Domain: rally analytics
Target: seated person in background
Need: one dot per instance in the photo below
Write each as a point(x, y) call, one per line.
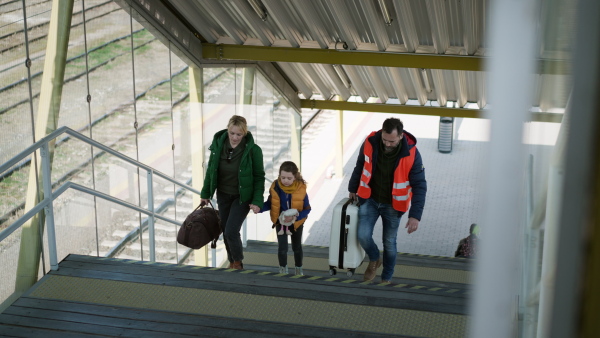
point(467, 247)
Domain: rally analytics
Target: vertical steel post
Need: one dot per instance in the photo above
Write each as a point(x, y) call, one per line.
point(151, 242)
point(246, 98)
point(339, 143)
point(245, 233)
point(49, 209)
point(296, 136)
point(196, 88)
point(494, 301)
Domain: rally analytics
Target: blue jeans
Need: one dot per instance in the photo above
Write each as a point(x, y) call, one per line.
point(368, 213)
point(232, 215)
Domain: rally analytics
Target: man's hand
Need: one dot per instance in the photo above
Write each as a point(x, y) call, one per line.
point(352, 196)
point(412, 225)
point(204, 201)
point(254, 208)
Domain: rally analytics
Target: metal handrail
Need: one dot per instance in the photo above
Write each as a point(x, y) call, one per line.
point(50, 196)
point(71, 185)
point(66, 130)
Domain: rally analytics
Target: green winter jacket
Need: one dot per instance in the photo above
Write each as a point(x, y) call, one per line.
point(252, 170)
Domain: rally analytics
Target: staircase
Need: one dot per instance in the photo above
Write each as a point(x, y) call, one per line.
point(103, 296)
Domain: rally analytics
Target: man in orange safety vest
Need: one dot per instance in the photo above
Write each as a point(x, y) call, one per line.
point(388, 180)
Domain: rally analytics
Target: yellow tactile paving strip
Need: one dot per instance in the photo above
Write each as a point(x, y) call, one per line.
point(399, 253)
point(339, 278)
point(253, 307)
point(401, 271)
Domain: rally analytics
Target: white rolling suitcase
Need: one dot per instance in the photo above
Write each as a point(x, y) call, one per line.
point(344, 250)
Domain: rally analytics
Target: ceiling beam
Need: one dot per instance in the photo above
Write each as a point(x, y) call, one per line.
point(414, 110)
point(391, 108)
point(362, 58)
point(330, 56)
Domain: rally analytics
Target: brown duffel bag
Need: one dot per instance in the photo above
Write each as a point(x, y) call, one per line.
point(200, 227)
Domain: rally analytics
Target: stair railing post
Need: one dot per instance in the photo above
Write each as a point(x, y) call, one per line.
point(49, 209)
point(151, 242)
point(245, 233)
point(214, 257)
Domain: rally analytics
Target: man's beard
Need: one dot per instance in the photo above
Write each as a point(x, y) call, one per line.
point(388, 150)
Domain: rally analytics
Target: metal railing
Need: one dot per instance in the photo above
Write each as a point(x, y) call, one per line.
point(49, 196)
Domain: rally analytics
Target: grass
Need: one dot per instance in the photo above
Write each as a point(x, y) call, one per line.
point(17, 177)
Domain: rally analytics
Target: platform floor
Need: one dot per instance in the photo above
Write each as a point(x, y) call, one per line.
point(455, 195)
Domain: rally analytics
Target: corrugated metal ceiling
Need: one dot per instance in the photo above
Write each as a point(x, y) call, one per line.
point(417, 27)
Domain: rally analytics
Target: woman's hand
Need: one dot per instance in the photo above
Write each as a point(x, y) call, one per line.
point(255, 208)
point(204, 201)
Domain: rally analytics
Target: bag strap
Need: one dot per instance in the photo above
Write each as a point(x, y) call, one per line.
point(204, 205)
point(213, 244)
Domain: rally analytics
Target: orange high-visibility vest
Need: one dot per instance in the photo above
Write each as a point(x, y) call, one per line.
point(401, 189)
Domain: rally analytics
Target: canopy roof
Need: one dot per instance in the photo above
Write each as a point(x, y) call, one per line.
point(405, 56)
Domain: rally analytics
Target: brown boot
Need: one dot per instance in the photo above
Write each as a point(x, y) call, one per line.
point(238, 265)
point(372, 270)
point(230, 266)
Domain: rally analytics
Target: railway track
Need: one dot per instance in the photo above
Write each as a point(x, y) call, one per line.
point(18, 35)
point(12, 6)
point(16, 97)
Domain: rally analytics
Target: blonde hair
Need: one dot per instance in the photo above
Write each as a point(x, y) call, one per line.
point(291, 167)
point(240, 122)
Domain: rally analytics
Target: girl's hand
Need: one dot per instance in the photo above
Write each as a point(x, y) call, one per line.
point(254, 208)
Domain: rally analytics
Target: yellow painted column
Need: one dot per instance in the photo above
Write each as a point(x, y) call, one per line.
point(46, 122)
point(247, 89)
point(196, 84)
point(339, 144)
point(591, 301)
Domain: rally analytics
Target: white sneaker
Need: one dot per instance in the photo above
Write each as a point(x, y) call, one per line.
point(299, 271)
point(283, 270)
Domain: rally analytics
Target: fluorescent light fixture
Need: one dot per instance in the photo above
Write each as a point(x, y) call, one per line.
point(386, 15)
point(257, 6)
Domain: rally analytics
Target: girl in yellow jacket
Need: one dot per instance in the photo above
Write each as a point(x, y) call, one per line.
point(288, 203)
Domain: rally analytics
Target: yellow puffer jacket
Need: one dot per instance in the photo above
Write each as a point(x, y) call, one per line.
point(299, 202)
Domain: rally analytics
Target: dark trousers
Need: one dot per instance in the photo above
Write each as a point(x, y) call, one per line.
point(232, 215)
point(296, 246)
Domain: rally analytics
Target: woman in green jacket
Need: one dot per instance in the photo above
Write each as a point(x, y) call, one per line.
point(236, 172)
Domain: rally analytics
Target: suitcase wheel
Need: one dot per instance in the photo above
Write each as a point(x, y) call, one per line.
point(350, 272)
point(332, 271)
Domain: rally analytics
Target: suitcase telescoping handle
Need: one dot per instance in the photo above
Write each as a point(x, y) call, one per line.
point(343, 245)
